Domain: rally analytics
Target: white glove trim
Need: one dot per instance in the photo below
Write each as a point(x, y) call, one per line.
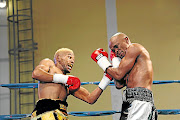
point(115, 62)
point(103, 62)
point(60, 78)
point(104, 82)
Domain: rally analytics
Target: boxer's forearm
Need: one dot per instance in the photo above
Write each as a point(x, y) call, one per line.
point(86, 96)
point(93, 97)
point(115, 73)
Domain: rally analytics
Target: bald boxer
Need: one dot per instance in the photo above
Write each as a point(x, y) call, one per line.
point(55, 86)
point(135, 71)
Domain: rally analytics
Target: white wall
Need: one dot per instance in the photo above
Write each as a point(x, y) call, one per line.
point(4, 64)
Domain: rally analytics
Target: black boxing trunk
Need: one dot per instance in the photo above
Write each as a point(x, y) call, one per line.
point(45, 105)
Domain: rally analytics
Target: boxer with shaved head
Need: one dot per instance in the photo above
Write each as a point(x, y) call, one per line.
point(135, 72)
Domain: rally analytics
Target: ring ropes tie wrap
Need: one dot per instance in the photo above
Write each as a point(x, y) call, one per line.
point(35, 85)
point(90, 113)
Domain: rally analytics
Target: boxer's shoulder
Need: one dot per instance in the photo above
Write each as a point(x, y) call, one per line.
point(47, 61)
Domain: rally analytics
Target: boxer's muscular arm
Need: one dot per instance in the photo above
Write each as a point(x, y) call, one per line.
point(121, 83)
point(41, 72)
point(126, 64)
point(86, 96)
point(92, 97)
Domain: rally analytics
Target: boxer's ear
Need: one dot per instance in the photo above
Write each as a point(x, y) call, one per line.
point(127, 39)
point(58, 58)
point(55, 60)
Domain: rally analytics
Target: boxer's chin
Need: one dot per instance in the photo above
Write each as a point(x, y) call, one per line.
point(67, 71)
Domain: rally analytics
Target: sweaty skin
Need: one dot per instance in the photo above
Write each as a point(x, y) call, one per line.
point(63, 64)
point(135, 69)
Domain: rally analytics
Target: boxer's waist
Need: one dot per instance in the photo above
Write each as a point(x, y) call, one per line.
point(45, 105)
point(138, 93)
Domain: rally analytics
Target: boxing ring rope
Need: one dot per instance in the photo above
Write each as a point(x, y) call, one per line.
point(90, 113)
point(85, 113)
point(35, 85)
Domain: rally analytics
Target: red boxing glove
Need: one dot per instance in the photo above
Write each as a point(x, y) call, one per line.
point(112, 55)
point(74, 83)
point(99, 53)
point(100, 57)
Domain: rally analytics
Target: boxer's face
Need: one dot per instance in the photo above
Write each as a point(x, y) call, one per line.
point(118, 44)
point(66, 60)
